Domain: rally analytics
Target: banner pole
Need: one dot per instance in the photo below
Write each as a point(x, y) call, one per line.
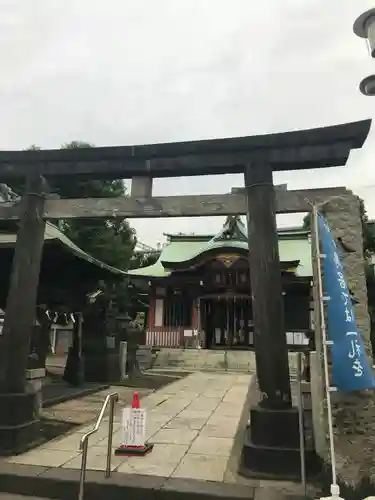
point(301, 423)
point(335, 490)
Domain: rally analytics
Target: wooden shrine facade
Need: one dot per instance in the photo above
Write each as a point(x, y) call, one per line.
point(204, 300)
point(211, 318)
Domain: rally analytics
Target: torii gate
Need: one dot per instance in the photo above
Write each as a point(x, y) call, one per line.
point(257, 157)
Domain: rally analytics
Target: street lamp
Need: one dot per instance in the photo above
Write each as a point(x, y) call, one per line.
point(364, 27)
point(367, 85)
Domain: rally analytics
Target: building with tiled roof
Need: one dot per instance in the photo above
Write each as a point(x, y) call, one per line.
point(200, 294)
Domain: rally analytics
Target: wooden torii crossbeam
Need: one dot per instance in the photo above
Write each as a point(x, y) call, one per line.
point(133, 207)
point(303, 149)
point(256, 157)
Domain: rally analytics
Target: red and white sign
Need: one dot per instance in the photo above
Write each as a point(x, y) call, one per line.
point(133, 427)
point(134, 431)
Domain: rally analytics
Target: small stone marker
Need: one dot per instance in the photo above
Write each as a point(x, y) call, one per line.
point(134, 431)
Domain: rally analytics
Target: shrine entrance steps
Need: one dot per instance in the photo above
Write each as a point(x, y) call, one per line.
point(210, 360)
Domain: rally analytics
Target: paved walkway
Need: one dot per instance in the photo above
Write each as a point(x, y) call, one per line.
point(192, 423)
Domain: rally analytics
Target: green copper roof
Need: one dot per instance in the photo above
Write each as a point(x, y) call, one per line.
point(293, 246)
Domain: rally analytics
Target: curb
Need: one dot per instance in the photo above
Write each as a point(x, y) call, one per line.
point(69, 397)
point(62, 484)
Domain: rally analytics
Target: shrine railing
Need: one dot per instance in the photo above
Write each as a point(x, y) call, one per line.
point(297, 340)
point(165, 337)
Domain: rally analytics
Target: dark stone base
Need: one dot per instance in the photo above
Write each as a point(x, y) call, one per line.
point(19, 428)
point(132, 451)
point(277, 463)
point(274, 428)
point(103, 367)
point(272, 448)
point(54, 393)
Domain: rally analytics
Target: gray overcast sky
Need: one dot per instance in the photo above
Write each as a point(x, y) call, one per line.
point(121, 72)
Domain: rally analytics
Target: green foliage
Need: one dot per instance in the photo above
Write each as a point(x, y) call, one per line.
point(306, 224)
point(143, 260)
point(111, 241)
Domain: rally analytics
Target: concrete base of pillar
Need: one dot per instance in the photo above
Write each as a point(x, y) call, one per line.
point(271, 448)
point(274, 427)
point(19, 425)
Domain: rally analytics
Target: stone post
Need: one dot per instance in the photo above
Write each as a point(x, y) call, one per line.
point(342, 214)
point(34, 384)
point(353, 412)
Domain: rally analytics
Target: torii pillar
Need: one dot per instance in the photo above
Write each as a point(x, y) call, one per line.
point(271, 351)
point(272, 443)
point(274, 422)
point(19, 425)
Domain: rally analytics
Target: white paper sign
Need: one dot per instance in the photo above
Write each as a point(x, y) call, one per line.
point(134, 426)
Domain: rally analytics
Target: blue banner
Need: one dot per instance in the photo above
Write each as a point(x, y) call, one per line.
point(351, 370)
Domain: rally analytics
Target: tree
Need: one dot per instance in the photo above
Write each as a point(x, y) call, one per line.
point(143, 260)
point(110, 240)
point(306, 224)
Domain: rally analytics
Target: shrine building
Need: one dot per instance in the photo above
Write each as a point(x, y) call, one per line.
point(200, 294)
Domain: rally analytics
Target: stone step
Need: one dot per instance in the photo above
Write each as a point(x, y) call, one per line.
point(21, 479)
point(8, 496)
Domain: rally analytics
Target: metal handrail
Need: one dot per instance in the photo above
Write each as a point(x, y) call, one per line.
point(83, 445)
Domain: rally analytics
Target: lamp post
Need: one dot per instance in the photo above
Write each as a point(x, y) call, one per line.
point(364, 27)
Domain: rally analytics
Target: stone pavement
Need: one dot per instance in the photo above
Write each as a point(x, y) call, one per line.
point(192, 423)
